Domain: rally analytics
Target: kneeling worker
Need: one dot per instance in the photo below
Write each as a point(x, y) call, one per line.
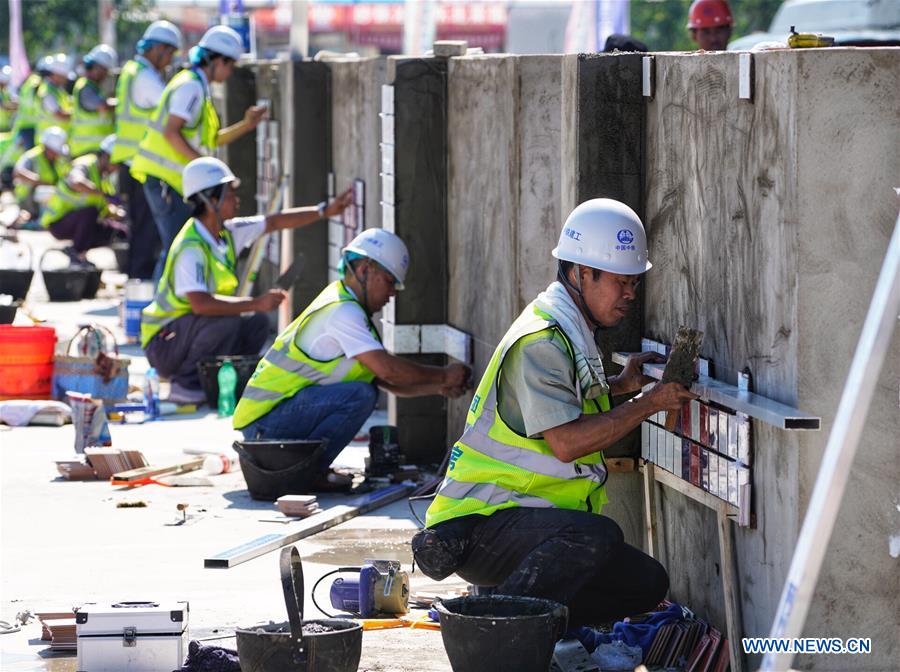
point(43, 165)
point(318, 380)
point(520, 506)
point(195, 313)
point(79, 209)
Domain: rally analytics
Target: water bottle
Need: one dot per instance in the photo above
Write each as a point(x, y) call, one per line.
point(151, 393)
point(227, 378)
point(220, 463)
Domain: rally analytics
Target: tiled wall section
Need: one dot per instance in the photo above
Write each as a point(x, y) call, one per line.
point(710, 447)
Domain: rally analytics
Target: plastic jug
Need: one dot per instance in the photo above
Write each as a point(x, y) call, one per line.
point(227, 379)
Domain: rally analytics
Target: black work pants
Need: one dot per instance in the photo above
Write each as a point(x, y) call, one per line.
point(576, 558)
point(178, 348)
point(143, 238)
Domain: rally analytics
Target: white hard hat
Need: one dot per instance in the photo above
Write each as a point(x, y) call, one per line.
point(604, 234)
point(165, 32)
point(385, 248)
point(5, 74)
point(203, 173)
point(223, 40)
point(59, 65)
point(45, 63)
point(103, 55)
point(54, 139)
point(107, 144)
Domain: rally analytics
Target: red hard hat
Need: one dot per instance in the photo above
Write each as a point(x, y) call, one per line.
point(709, 14)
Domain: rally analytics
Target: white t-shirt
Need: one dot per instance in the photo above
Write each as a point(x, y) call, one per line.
point(186, 101)
point(341, 331)
point(147, 88)
point(190, 273)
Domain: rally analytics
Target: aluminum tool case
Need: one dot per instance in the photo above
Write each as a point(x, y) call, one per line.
point(132, 636)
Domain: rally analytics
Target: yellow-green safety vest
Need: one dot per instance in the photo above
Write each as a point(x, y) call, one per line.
point(65, 199)
point(156, 157)
point(493, 467)
point(6, 116)
point(87, 128)
point(286, 369)
point(221, 275)
point(46, 119)
point(49, 171)
point(131, 119)
point(27, 114)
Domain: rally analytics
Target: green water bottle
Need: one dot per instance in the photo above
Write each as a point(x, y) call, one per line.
point(227, 379)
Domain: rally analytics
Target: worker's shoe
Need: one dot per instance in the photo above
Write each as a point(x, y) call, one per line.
point(185, 395)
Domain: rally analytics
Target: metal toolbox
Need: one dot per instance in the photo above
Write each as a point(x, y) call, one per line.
point(132, 636)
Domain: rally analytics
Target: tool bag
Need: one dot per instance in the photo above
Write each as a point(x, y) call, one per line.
point(95, 368)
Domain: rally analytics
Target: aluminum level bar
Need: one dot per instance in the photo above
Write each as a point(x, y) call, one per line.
point(754, 405)
point(330, 517)
point(828, 493)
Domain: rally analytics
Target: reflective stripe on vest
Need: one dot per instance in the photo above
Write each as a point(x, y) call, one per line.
point(492, 467)
point(48, 171)
point(87, 128)
point(132, 120)
point(221, 277)
point(48, 119)
point(26, 115)
point(155, 155)
point(286, 369)
point(65, 199)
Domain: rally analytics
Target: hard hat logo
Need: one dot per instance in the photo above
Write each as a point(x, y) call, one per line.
point(572, 233)
point(625, 237)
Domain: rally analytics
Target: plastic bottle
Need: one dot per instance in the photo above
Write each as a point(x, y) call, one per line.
point(219, 463)
point(227, 379)
point(151, 393)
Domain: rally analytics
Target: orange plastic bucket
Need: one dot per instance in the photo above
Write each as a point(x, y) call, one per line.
point(26, 362)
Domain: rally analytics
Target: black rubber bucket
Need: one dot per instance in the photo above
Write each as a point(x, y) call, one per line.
point(64, 284)
point(321, 645)
point(8, 313)
point(208, 368)
point(501, 633)
point(275, 468)
point(15, 283)
point(92, 284)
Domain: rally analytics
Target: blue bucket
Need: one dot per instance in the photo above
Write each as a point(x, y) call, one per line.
point(133, 319)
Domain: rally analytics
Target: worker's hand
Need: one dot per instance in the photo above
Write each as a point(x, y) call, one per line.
point(457, 376)
point(632, 377)
point(270, 300)
point(669, 396)
point(453, 392)
point(254, 115)
point(339, 204)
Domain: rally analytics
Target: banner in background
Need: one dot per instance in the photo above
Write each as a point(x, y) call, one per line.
point(18, 59)
point(592, 21)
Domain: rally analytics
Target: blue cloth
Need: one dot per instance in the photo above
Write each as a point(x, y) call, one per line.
point(170, 213)
point(333, 412)
point(632, 634)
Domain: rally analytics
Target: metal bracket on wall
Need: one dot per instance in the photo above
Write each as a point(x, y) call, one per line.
point(746, 77)
point(411, 339)
point(743, 401)
point(648, 65)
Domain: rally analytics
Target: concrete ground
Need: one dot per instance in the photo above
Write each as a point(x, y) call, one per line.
point(66, 543)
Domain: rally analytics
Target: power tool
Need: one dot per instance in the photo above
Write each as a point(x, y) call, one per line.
point(381, 588)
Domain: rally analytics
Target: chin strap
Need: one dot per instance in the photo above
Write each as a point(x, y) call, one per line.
point(362, 284)
point(580, 294)
point(214, 207)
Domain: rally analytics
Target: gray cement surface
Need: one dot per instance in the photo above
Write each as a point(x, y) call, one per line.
point(65, 543)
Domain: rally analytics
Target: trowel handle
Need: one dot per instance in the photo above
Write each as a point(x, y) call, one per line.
point(671, 420)
point(292, 585)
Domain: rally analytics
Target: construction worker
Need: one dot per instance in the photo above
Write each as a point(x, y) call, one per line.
point(185, 126)
point(53, 102)
point(195, 313)
point(710, 23)
point(319, 380)
point(138, 92)
point(520, 507)
point(79, 208)
point(92, 112)
point(42, 165)
point(24, 122)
